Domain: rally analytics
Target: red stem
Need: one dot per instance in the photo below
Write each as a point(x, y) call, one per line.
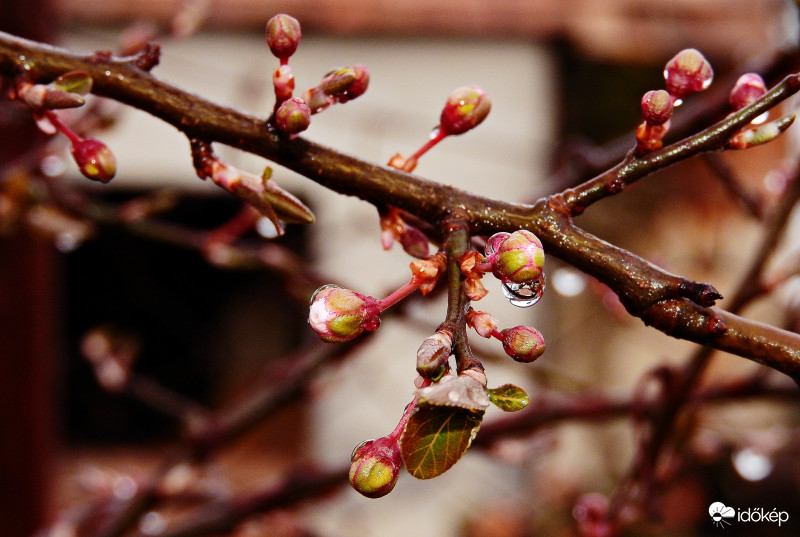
point(435, 139)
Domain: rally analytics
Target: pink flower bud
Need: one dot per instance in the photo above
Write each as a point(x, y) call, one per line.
point(687, 72)
point(748, 89)
point(523, 343)
point(293, 116)
point(375, 466)
point(283, 35)
point(95, 159)
point(465, 109)
point(338, 314)
point(657, 107)
point(517, 257)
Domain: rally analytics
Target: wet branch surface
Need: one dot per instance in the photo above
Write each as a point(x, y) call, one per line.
point(673, 304)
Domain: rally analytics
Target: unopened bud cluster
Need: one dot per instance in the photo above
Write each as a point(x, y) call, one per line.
point(94, 159)
point(686, 73)
point(748, 89)
point(293, 115)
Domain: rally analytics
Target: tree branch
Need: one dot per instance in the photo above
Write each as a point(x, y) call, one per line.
point(670, 303)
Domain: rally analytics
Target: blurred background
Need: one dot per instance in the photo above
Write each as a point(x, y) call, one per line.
point(565, 79)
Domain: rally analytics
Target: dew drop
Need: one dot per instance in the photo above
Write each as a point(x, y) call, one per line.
point(524, 295)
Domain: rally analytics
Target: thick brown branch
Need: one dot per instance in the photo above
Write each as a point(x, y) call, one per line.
point(646, 290)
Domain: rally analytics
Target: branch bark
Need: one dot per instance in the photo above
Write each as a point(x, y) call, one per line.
point(674, 305)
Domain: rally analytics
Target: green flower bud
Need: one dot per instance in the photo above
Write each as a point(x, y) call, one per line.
point(517, 257)
point(293, 116)
point(376, 466)
point(523, 343)
point(338, 314)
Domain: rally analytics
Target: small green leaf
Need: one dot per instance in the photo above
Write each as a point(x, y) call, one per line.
point(79, 82)
point(509, 397)
point(436, 437)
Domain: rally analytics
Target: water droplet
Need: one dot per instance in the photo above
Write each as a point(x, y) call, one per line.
point(494, 242)
point(524, 295)
point(434, 133)
point(320, 289)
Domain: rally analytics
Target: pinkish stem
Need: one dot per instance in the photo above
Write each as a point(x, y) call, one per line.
point(400, 294)
point(438, 137)
point(52, 117)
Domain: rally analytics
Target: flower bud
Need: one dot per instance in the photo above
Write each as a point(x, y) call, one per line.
point(338, 314)
point(376, 466)
point(657, 107)
point(748, 89)
point(517, 257)
point(687, 72)
point(283, 35)
point(293, 116)
point(95, 159)
point(523, 343)
point(465, 109)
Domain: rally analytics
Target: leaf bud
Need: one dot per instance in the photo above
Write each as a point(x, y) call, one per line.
point(748, 89)
point(358, 86)
point(465, 109)
point(338, 314)
point(283, 35)
point(517, 257)
point(657, 107)
point(523, 343)
point(95, 160)
point(375, 466)
point(433, 354)
point(687, 72)
point(293, 116)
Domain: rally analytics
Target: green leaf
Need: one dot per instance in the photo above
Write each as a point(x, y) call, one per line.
point(74, 82)
point(436, 437)
point(509, 397)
